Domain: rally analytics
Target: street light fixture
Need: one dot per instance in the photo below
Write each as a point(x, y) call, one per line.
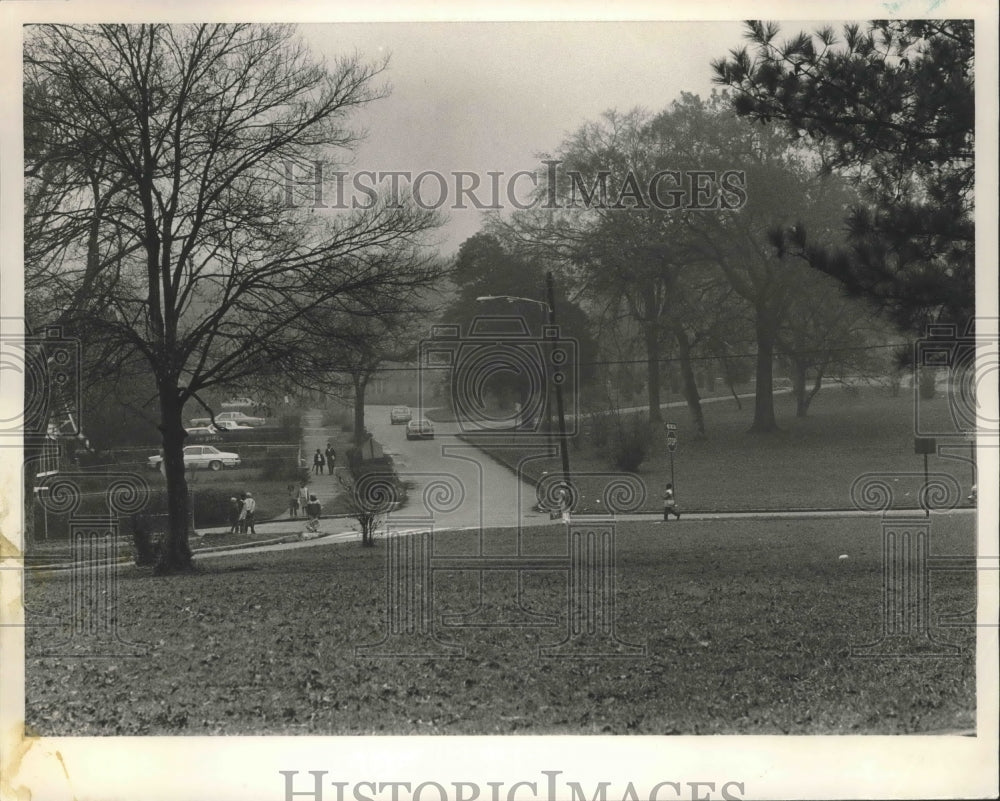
point(550, 305)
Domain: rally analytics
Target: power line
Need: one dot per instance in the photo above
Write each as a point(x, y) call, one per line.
point(669, 360)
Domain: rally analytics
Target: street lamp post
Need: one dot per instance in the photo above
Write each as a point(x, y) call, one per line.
point(564, 450)
point(550, 305)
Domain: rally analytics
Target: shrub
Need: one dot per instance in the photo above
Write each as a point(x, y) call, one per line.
point(282, 466)
point(338, 418)
point(630, 443)
point(927, 383)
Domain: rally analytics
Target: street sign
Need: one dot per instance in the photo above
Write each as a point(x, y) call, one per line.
point(671, 436)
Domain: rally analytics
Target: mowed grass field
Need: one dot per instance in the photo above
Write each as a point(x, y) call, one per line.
point(747, 626)
point(810, 463)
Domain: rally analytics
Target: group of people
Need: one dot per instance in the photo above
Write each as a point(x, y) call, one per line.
point(242, 513)
point(327, 459)
point(563, 504)
point(299, 498)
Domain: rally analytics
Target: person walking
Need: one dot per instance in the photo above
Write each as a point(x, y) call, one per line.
point(331, 458)
point(250, 506)
point(293, 501)
point(318, 462)
point(313, 509)
point(243, 513)
point(235, 507)
point(669, 503)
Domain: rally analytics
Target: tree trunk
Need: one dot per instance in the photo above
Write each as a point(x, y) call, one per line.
point(817, 386)
point(176, 554)
point(763, 412)
point(32, 459)
point(688, 383)
point(927, 382)
point(360, 385)
point(652, 340)
point(799, 388)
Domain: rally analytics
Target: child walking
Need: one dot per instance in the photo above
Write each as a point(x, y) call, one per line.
point(313, 509)
point(669, 504)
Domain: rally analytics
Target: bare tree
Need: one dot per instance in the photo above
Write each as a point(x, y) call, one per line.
point(206, 266)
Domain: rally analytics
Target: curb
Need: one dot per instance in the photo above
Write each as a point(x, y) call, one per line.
point(636, 516)
point(129, 560)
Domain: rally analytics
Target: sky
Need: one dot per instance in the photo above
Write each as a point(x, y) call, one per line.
point(492, 96)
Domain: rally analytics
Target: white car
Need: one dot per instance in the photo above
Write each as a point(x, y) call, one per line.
point(236, 417)
point(232, 425)
point(237, 403)
point(200, 456)
point(400, 414)
point(204, 434)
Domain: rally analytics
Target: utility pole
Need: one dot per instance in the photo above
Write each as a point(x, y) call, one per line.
point(563, 445)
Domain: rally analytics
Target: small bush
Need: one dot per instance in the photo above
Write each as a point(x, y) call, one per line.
point(338, 418)
point(630, 443)
point(599, 424)
point(282, 466)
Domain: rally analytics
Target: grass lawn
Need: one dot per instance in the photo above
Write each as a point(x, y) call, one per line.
point(811, 462)
point(747, 625)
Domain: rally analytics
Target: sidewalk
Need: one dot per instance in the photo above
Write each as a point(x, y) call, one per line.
point(325, 487)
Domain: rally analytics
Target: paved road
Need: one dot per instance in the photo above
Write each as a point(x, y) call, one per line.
point(454, 484)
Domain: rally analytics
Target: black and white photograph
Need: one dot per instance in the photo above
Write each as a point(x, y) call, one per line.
point(502, 403)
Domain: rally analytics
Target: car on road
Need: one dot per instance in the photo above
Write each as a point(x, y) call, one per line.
point(238, 403)
point(237, 417)
point(420, 429)
point(204, 434)
point(400, 414)
point(200, 457)
point(232, 425)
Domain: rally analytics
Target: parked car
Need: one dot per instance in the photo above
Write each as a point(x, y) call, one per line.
point(400, 414)
point(232, 425)
point(222, 417)
point(238, 403)
point(204, 434)
point(200, 456)
point(420, 429)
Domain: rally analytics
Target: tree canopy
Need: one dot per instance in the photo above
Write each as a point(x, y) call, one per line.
point(157, 217)
point(892, 104)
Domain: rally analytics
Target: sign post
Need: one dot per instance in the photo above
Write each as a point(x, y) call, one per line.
point(671, 447)
point(925, 446)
